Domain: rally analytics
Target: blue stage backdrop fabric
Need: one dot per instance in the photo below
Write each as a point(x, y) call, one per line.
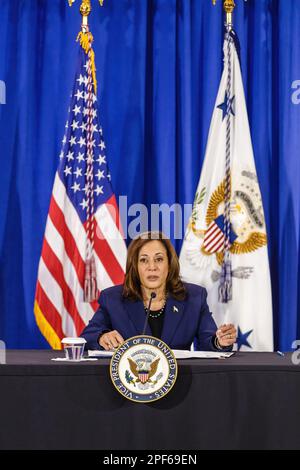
point(158, 67)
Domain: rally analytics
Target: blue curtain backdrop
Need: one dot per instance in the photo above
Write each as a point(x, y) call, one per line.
point(158, 65)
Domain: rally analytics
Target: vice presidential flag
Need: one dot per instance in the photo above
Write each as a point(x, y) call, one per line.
point(83, 250)
point(225, 245)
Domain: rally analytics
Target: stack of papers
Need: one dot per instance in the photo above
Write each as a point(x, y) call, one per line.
point(98, 353)
point(178, 353)
point(184, 354)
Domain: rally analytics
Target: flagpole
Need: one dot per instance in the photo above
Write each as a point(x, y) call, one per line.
point(228, 6)
point(85, 37)
point(85, 10)
point(225, 287)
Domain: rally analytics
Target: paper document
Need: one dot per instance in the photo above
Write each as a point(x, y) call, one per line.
point(178, 353)
point(98, 353)
point(68, 360)
point(185, 354)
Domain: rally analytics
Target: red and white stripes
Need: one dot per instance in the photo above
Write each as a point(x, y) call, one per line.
point(60, 286)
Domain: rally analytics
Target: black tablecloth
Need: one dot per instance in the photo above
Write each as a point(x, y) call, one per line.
point(248, 401)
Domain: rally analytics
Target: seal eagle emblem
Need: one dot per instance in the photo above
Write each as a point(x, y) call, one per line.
point(143, 369)
point(248, 231)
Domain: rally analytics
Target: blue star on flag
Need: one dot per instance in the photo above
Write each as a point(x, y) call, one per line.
point(225, 104)
point(242, 339)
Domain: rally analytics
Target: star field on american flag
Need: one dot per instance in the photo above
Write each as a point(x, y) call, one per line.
point(73, 165)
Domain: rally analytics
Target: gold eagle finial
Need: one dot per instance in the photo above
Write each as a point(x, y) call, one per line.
point(85, 7)
point(85, 1)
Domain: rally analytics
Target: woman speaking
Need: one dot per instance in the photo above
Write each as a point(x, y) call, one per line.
point(154, 301)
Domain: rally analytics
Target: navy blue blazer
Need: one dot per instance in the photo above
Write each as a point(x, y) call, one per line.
point(184, 321)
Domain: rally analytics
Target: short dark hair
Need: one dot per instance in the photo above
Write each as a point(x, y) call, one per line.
point(132, 283)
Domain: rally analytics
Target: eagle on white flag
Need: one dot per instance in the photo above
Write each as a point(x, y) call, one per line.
point(210, 246)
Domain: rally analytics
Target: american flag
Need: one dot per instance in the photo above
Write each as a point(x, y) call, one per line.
point(215, 236)
point(60, 309)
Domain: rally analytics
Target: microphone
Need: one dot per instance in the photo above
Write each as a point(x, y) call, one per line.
point(152, 296)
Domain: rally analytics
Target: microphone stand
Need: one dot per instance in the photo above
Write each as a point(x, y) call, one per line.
point(152, 296)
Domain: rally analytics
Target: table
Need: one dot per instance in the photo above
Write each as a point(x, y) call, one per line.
point(248, 401)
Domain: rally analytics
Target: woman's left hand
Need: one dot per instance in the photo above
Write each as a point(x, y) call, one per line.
point(226, 335)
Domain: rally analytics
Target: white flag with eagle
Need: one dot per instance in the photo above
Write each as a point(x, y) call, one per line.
point(217, 238)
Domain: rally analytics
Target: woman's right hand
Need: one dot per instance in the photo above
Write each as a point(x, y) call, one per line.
point(111, 340)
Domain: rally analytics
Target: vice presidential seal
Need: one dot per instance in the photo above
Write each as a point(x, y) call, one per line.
point(143, 369)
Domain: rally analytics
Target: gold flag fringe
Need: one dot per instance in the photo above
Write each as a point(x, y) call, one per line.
point(46, 329)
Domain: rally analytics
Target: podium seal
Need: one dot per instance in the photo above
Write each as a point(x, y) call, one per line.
point(143, 369)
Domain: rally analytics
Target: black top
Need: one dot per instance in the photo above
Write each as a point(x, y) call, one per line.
point(156, 323)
